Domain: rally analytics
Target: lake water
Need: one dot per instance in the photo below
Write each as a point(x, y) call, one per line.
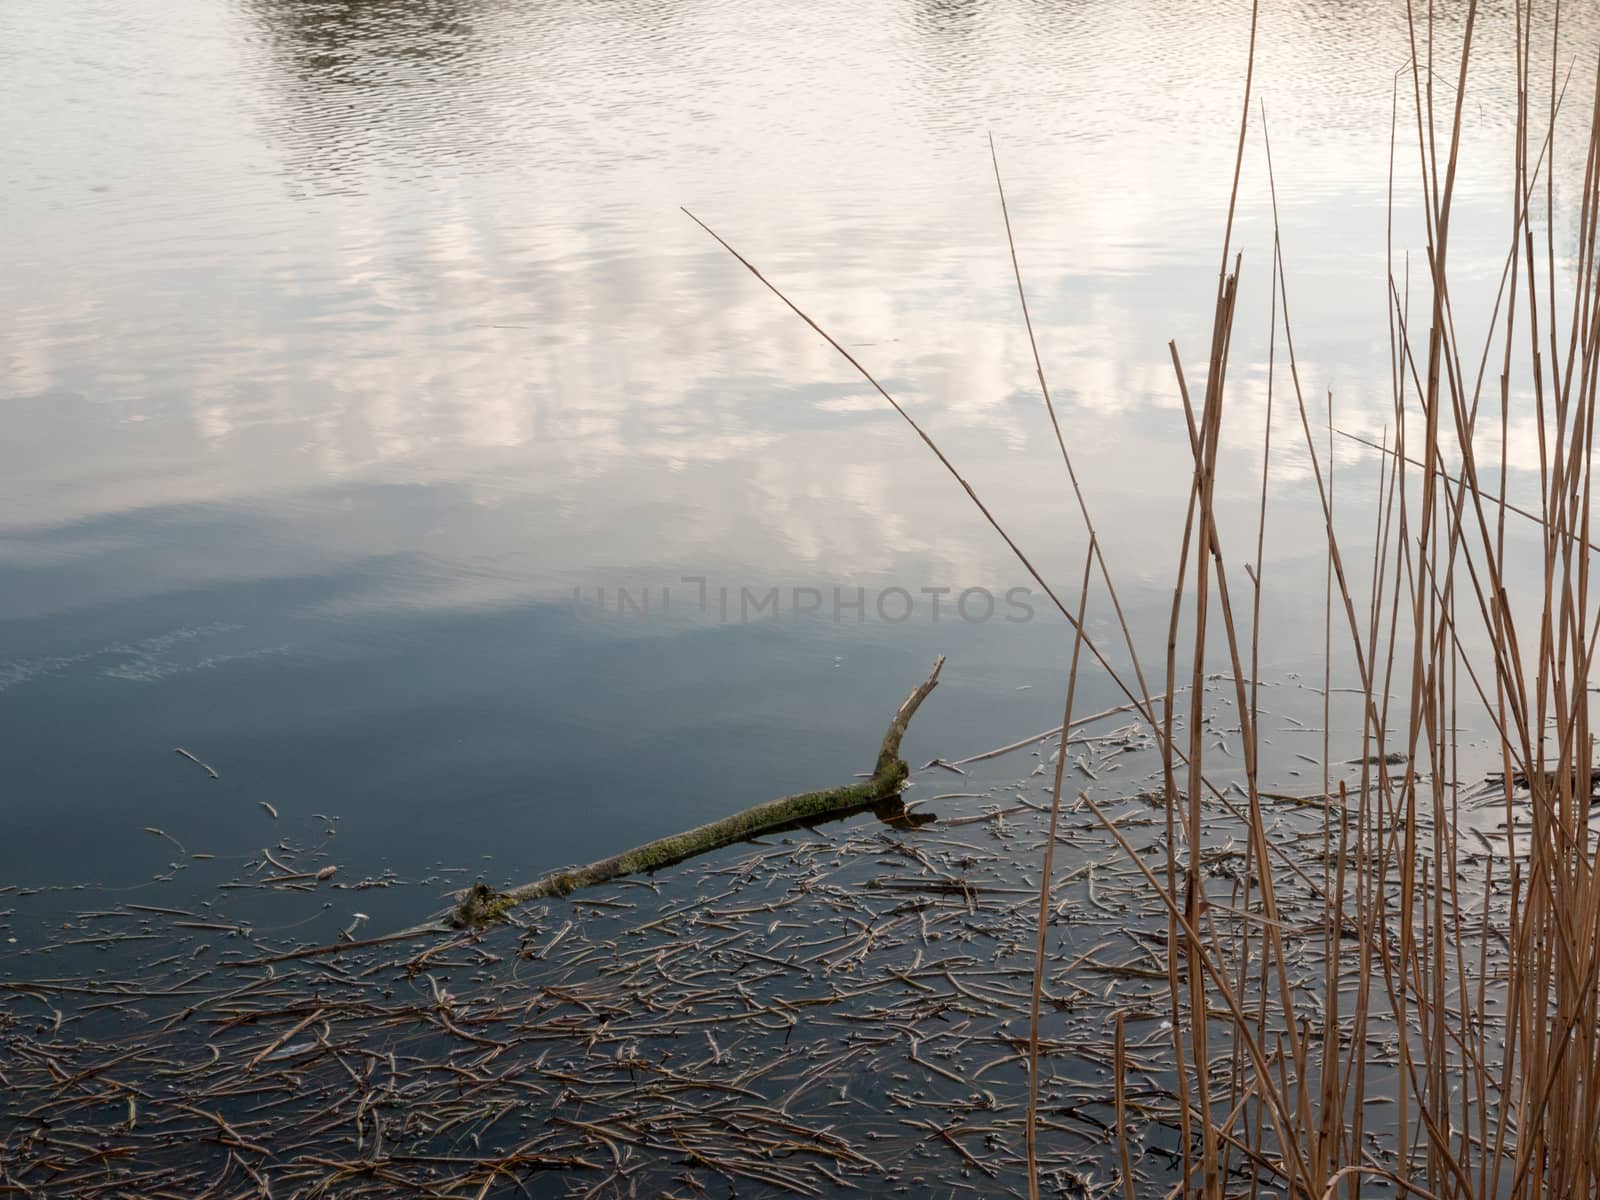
point(357, 358)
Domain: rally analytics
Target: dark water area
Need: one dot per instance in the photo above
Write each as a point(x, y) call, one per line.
point(358, 359)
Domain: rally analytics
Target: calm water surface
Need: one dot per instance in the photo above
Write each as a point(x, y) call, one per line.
point(351, 348)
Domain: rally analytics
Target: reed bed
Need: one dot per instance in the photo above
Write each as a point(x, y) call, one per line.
point(1488, 983)
point(1493, 1010)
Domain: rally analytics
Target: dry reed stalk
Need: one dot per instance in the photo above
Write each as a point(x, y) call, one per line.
point(1046, 880)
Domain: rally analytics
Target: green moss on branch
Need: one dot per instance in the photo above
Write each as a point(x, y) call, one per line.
point(482, 905)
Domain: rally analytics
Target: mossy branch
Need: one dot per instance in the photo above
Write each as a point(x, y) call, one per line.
point(482, 904)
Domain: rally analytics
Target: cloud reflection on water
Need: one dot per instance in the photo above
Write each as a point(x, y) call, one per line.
point(437, 246)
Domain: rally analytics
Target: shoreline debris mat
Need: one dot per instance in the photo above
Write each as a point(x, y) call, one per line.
point(838, 1007)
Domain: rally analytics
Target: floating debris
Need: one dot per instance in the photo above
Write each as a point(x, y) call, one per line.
point(839, 1006)
point(209, 769)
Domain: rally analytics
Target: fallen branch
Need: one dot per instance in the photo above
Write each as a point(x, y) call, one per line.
point(482, 904)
